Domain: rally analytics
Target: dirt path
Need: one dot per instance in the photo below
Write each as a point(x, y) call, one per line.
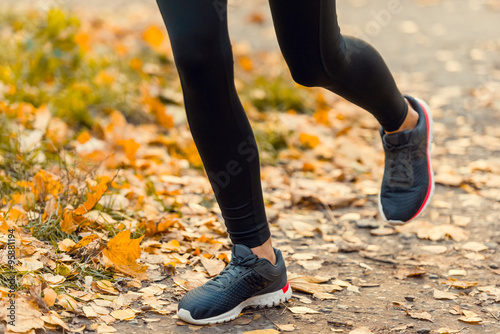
point(442, 51)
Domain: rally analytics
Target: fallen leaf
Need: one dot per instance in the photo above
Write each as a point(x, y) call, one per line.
point(27, 316)
point(30, 264)
point(309, 141)
point(457, 272)
point(84, 242)
point(438, 294)
point(36, 296)
point(53, 319)
point(441, 232)
point(126, 314)
point(67, 302)
point(66, 244)
point(311, 265)
point(286, 328)
point(93, 197)
point(426, 230)
point(89, 312)
point(361, 330)
point(102, 329)
point(475, 256)
point(151, 290)
point(307, 279)
point(382, 231)
point(123, 253)
point(435, 249)
point(302, 310)
point(303, 256)
point(190, 280)
point(213, 266)
point(53, 279)
point(49, 296)
point(470, 317)
point(412, 272)
point(475, 246)
point(153, 36)
point(105, 287)
point(459, 284)
point(420, 315)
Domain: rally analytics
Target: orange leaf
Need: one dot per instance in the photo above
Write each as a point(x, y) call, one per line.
point(123, 253)
point(321, 116)
point(116, 122)
point(83, 137)
point(307, 140)
point(4, 227)
point(246, 63)
point(136, 64)
point(69, 224)
point(104, 78)
point(130, 147)
point(165, 120)
point(44, 184)
point(49, 296)
point(83, 41)
point(153, 36)
point(17, 215)
point(92, 198)
point(84, 242)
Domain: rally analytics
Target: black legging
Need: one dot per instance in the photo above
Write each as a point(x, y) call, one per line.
point(317, 55)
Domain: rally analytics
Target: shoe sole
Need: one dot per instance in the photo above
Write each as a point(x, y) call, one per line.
point(266, 300)
point(430, 193)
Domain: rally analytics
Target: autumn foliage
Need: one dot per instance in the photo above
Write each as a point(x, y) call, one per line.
point(105, 191)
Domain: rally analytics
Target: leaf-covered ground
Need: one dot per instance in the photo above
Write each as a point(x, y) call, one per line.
point(112, 218)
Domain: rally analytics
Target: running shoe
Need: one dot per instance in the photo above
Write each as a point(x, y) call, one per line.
point(408, 183)
point(246, 281)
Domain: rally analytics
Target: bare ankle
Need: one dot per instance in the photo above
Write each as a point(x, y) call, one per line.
point(410, 121)
point(265, 251)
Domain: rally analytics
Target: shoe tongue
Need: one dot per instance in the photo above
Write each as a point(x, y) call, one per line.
point(241, 251)
point(399, 138)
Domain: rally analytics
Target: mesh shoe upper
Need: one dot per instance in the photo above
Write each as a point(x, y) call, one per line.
point(244, 277)
point(407, 182)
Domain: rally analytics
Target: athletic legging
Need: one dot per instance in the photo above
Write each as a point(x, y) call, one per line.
point(317, 55)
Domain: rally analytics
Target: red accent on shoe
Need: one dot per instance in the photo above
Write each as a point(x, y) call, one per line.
point(285, 288)
point(428, 159)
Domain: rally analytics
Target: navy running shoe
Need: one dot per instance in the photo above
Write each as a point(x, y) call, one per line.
point(246, 281)
point(408, 183)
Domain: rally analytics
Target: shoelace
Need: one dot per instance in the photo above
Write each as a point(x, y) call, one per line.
point(233, 270)
point(400, 168)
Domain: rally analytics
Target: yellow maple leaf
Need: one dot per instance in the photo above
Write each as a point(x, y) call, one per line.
point(123, 253)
